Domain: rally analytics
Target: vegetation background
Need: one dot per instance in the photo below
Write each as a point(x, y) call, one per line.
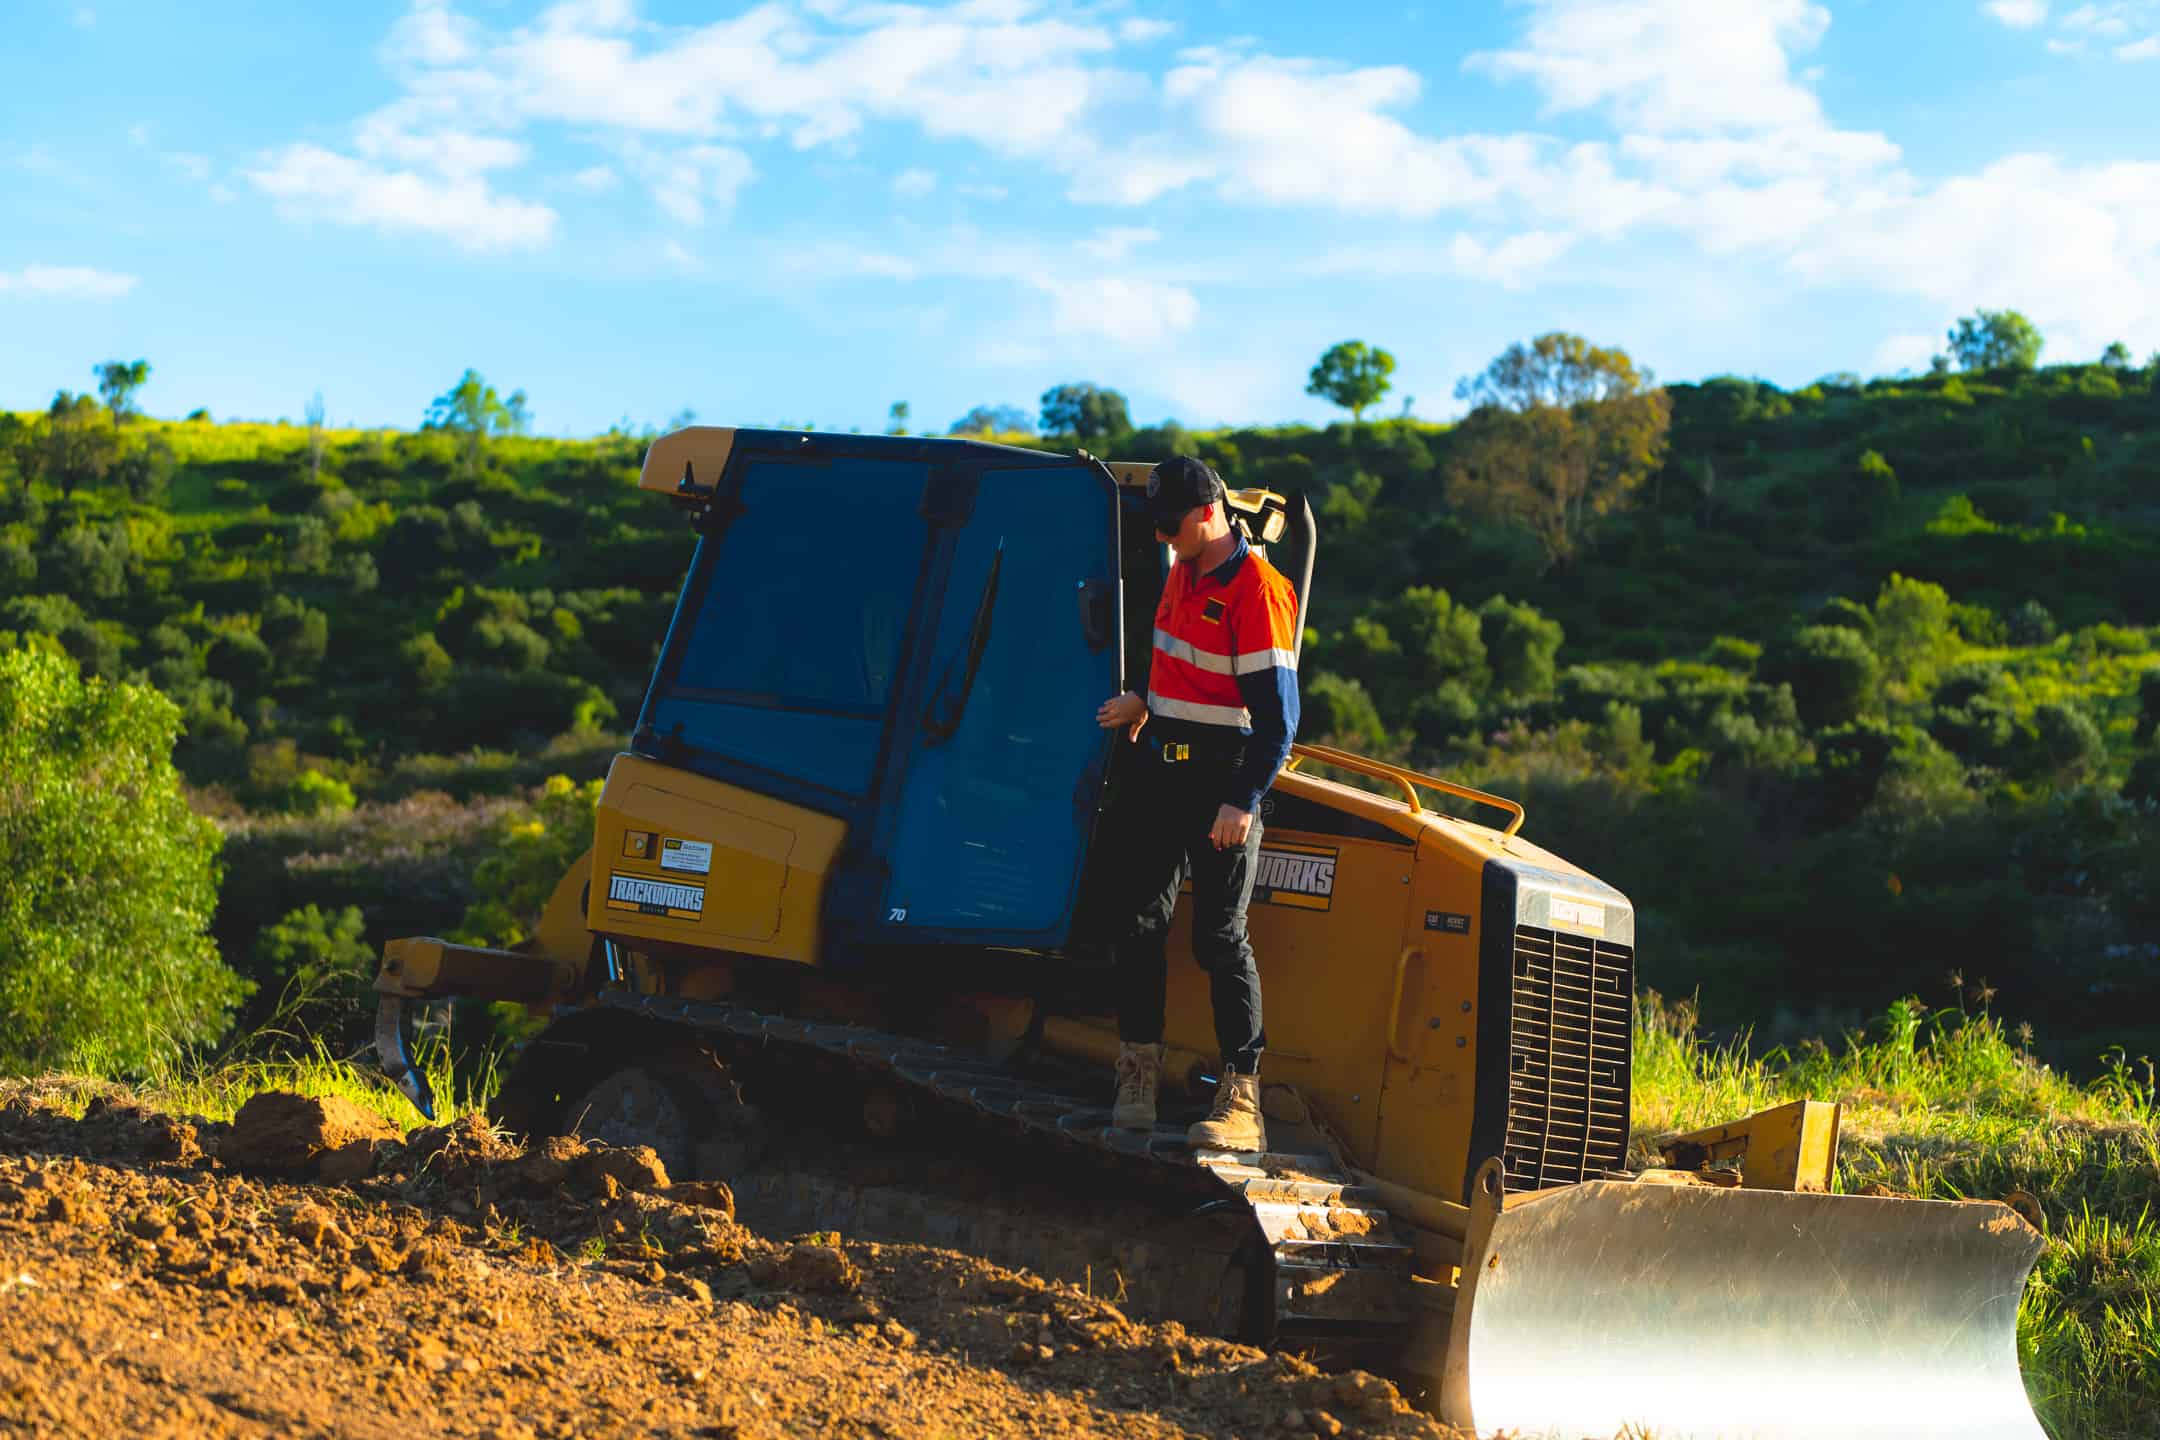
point(1852, 688)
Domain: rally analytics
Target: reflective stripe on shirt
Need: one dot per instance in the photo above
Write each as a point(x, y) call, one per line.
point(1237, 716)
point(1252, 662)
point(1178, 649)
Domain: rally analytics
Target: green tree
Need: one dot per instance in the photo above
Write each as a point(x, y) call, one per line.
point(1338, 710)
point(530, 852)
point(89, 562)
point(1522, 646)
point(2065, 746)
point(18, 567)
point(2116, 356)
point(81, 445)
point(1990, 339)
point(2148, 716)
point(896, 418)
point(1353, 375)
point(1564, 434)
point(321, 964)
point(314, 414)
point(107, 879)
point(22, 448)
point(994, 420)
point(1832, 672)
point(296, 633)
point(1912, 628)
point(145, 469)
point(1085, 412)
point(475, 414)
point(117, 381)
point(1865, 502)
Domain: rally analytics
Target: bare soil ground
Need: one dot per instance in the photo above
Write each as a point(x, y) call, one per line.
point(161, 1276)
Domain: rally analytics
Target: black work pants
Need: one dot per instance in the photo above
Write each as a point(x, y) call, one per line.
point(1166, 811)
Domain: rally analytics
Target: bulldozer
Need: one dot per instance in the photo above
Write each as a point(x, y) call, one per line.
point(856, 846)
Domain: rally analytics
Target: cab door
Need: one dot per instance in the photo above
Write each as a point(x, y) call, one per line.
point(995, 769)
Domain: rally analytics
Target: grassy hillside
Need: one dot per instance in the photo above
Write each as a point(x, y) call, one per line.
point(1861, 690)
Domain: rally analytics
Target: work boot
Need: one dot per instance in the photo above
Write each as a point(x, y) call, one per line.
point(1234, 1123)
point(1139, 1074)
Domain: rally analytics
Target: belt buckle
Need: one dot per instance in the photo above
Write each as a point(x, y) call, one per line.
point(1172, 754)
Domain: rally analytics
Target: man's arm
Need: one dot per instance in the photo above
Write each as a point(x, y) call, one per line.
point(1266, 665)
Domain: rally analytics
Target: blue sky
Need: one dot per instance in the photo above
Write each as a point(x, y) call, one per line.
point(805, 210)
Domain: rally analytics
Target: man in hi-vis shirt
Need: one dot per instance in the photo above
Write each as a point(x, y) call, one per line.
point(1221, 708)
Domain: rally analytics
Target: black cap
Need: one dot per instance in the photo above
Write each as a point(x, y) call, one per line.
point(1179, 484)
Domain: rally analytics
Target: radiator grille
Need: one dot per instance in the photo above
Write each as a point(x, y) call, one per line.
point(1567, 1058)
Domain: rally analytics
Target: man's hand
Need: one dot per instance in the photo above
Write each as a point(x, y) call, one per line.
point(1232, 825)
point(1127, 709)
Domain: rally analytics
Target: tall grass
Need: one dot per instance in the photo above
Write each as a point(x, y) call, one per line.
point(1947, 1104)
point(216, 1089)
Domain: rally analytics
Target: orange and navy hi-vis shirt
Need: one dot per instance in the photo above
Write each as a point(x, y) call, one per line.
point(1225, 663)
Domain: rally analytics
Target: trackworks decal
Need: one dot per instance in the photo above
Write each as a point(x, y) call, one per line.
point(655, 897)
point(1300, 876)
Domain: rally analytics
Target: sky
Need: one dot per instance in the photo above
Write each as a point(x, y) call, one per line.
point(802, 211)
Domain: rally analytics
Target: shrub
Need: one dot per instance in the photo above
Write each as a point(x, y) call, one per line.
point(240, 659)
point(320, 963)
point(2148, 704)
point(1730, 653)
point(314, 793)
point(296, 633)
point(18, 566)
point(1521, 645)
point(1832, 672)
point(2031, 624)
point(532, 851)
point(110, 880)
point(1912, 628)
point(2065, 745)
point(1338, 710)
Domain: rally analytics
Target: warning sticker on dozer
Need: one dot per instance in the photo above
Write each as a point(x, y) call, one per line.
point(655, 897)
point(1300, 876)
point(694, 856)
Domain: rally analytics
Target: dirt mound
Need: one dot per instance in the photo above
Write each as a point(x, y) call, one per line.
point(280, 1134)
point(463, 1285)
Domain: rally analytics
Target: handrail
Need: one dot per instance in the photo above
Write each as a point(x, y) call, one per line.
point(1409, 780)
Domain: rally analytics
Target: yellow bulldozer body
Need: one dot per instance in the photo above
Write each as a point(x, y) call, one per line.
point(1448, 1009)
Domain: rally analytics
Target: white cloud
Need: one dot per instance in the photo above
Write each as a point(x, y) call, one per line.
point(2076, 248)
point(431, 34)
point(311, 183)
point(2107, 21)
point(138, 135)
point(71, 282)
point(594, 179)
point(1511, 262)
point(1133, 312)
point(1514, 261)
point(1670, 66)
point(2146, 49)
point(914, 184)
point(1137, 31)
point(1115, 242)
point(1899, 353)
point(188, 165)
point(684, 181)
point(2018, 14)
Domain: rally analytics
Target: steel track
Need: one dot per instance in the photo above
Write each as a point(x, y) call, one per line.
point(1335, 1264)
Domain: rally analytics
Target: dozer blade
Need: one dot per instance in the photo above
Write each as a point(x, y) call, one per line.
point(1697, 1312)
